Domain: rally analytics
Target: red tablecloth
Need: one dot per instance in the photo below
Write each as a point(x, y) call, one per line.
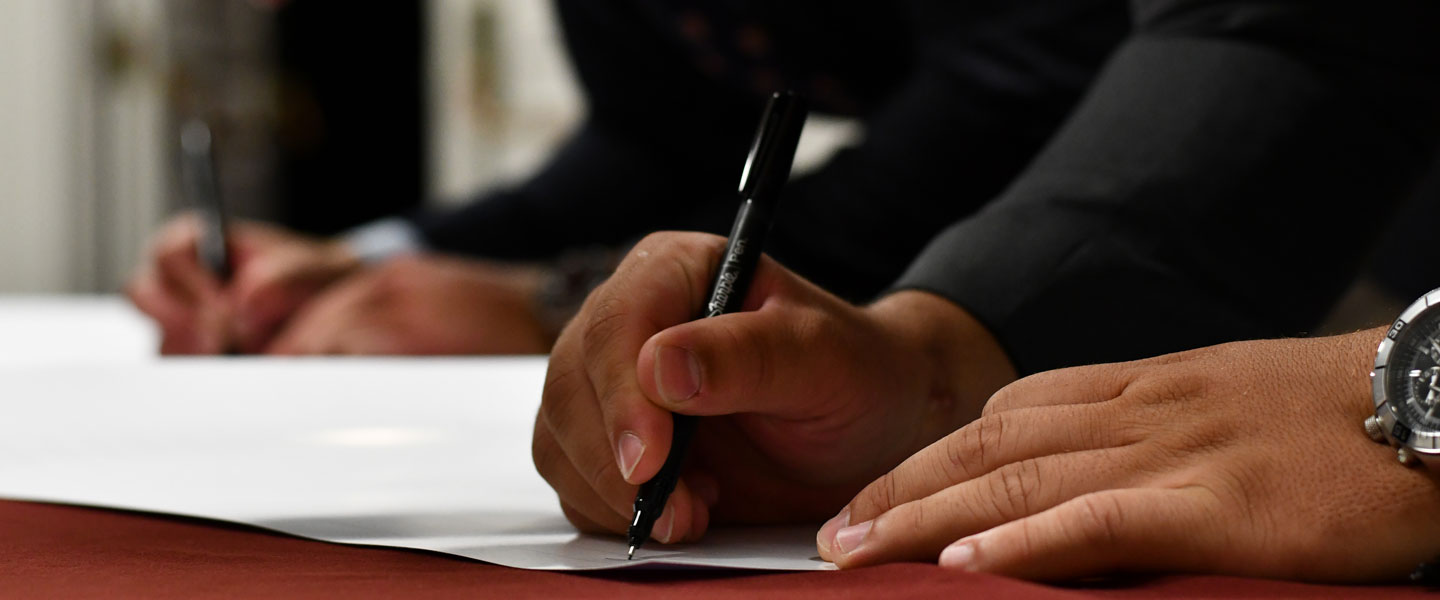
point(72, 552)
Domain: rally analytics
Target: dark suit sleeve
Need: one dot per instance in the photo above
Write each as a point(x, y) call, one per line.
point(985, 94)
point(1222, 181)
point(640, 161)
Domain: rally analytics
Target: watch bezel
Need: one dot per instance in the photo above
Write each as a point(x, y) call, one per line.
point(1420, 439)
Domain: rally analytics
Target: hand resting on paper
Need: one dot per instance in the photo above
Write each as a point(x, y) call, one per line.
point(1245, 459)
point(423, 304)
point(807, 397)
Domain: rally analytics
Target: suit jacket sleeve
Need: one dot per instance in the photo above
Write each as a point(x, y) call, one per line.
point(1223, 180)
point(639, 162)
point(983, 93)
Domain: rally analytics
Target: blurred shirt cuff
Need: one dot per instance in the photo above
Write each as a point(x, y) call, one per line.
point(384, 239)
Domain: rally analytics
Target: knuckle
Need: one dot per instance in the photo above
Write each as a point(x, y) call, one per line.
point(614, 394)
point(999, 402)
point(1014, 396)
point(1170, 390)
point(600, 470)
point(651, 242)
point(1010, 396)
point(554, 405)
point(959, 455)
point(655, 244)
point(1014, 487)
point(917, 517)
point(584, 524)
point(543, 450)
point(757, 355)
point(603, 323)
point(883, 495)
point(1099, 521)
point(986, 439)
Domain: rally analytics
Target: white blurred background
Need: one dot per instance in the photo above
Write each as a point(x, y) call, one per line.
point(91, 91)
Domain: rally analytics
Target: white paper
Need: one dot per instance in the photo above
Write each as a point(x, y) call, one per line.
point(46, 329)
point(430, 454)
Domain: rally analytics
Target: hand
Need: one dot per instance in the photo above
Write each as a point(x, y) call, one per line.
point(807, 397)
point(1245, 459)
point(421, 305)
point(274, 273)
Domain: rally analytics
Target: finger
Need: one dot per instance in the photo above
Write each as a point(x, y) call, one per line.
point(1074, 385)
point(266, 296)
point(183, 279)
point(918, 530)
point(176, 259)
point(990, 443)
point(277, 272)
point(661, 283)
point(188, 326)
point(592, 514)
point(570, 413)
point(318, 327)
point(1119, 530)
point(148, 293)
point(587, 510)
point(582, 522)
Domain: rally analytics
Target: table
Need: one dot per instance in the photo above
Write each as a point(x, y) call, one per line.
point(49, 550)
point(74, 552)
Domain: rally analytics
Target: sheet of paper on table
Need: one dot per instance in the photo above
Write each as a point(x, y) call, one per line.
point(71, 329)
point(429, 454)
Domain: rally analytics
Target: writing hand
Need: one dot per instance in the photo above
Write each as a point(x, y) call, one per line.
point(807, 397)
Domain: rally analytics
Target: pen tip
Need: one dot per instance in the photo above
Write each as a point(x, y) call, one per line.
point(632, 554)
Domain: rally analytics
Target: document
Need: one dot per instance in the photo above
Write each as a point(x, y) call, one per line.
point(431, 454)
point(72, 329)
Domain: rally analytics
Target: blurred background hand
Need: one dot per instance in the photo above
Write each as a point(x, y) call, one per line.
point(421, 305)
point(275, 272)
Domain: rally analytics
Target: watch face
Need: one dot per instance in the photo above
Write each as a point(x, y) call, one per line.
point(1412, 377)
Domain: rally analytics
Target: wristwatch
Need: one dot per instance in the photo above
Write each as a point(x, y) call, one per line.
point(1406, 384)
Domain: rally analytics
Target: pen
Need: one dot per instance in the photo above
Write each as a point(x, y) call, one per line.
point(197, 175)
point(766, 170)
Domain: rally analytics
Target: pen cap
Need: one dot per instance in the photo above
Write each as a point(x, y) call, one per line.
point(768, 166)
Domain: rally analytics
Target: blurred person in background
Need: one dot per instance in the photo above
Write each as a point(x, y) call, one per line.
point(955, 100)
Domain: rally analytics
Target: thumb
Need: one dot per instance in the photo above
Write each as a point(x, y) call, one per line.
point(770, 361)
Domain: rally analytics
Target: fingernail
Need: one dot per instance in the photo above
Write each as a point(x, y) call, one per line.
point(677, 374)
point(960, 555)
point(850, 538)
point(631, 449)
point(826, 537)
point(667, 525)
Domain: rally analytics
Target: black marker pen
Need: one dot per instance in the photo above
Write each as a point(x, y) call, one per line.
point(197, 175)
point(765, 174)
